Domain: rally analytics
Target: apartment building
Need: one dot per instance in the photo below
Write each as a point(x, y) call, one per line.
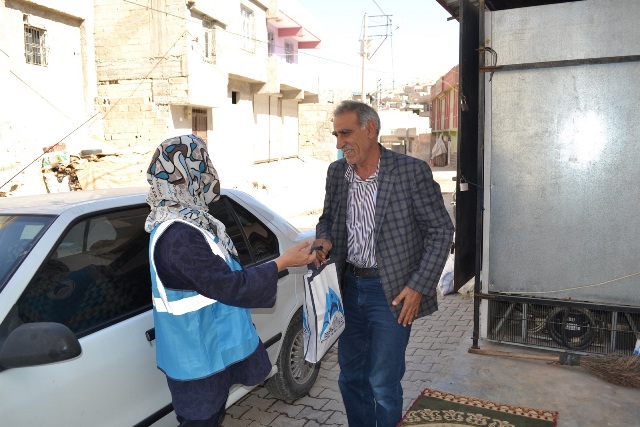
point(226, 70)
point(444, 113)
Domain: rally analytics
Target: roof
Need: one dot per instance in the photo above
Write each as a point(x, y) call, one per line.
point(453, 6)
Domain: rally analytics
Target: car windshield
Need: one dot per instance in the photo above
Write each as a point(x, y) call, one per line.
point(18, 234)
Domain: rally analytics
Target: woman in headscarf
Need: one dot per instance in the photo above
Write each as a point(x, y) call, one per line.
point(205, 339)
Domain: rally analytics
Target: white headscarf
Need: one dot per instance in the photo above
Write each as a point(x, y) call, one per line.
point(183, 182)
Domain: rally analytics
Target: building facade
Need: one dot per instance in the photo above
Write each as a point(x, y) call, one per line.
point(48, 85)
point(444, 113)
point(127, 75)
point(226, 70)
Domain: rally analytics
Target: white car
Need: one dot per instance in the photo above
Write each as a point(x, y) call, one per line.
point(76, 328)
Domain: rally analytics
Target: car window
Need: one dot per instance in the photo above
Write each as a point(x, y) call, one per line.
point(97, 275)
point(253, 240)
point(17, 235)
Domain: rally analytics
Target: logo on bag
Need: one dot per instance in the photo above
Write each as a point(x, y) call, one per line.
point(333, 317)
point(306, 330)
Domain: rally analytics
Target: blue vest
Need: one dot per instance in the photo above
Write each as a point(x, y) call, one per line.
point(197, 336)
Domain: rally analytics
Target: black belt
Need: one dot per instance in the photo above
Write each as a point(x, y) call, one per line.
point(364, 273)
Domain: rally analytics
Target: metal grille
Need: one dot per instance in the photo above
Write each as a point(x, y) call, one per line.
point(288, 51)
point(209, 47)
point(571, 328)
point(34, 47)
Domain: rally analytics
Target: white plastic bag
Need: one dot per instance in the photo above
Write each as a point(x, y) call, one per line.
point(445, 285)
point(323, 313)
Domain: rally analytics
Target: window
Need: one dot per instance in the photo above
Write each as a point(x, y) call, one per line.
point(253, 240)
point(209, 48)
point(35, 51)
point(248, 30)
point(235, 97)
point(271, 46)
point(98, 275)
point(18, 234)
point(288, 51)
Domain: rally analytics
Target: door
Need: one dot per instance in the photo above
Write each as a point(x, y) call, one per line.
point(199, 122)
point(257, 243)
point(468, 238)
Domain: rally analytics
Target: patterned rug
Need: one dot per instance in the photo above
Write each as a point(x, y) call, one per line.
point(441, 409)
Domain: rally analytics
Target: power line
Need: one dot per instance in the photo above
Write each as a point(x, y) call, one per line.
point(374, 1)
point(300, 53)
point(219, 28)
point(50, 148)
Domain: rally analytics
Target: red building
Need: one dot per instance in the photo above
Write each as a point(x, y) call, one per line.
point(444, 115)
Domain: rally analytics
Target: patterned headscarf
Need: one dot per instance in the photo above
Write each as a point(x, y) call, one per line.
point(183, 182)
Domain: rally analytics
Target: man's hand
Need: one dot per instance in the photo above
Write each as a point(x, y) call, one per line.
point(322, 254)
point(410, 301)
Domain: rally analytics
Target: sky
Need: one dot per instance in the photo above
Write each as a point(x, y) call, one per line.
point(420, 44)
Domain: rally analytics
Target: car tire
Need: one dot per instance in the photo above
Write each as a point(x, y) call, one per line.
point(295, 376)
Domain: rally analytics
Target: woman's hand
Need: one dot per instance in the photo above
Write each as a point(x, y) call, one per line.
point(296, 256)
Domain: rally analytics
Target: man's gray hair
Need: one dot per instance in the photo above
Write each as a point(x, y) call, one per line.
point(364, 113)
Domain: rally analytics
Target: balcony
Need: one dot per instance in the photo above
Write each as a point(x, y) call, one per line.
point(293, 22)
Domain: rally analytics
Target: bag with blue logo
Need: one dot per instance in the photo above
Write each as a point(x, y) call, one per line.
point(323, 313)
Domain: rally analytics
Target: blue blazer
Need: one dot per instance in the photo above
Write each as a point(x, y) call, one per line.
point(413, 230)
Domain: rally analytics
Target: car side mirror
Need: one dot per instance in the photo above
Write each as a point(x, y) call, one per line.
point(33, 344)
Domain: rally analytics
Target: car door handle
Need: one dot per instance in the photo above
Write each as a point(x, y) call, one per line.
point(150, 334)
point(283, 273)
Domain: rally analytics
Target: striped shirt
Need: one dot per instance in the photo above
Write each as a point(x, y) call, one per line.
point(361, 208)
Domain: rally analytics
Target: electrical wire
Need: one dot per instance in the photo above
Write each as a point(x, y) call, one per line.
point(577, 287)
point(374, 2)
point(40, 95)
point(50, 148)
point(494, 59)
point(252, 39)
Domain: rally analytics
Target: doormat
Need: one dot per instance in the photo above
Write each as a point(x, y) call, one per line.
point(441, 409)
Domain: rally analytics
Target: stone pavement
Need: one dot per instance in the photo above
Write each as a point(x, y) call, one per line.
point(437, 355)
point(433, 341)
point(295, 189)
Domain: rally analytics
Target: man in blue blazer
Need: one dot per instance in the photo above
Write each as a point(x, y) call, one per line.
point(385, 224)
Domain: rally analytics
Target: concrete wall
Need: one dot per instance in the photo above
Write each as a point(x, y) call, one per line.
point(156, 59)
point(315, 126)
point(234, 134)
point(141, 56)
point(40, 105)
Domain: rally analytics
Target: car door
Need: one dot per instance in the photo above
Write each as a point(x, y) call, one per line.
point(258, 243)
point(96, 282)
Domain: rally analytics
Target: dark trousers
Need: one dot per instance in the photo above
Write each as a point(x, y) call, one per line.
point(371, 354)
point(214, 421)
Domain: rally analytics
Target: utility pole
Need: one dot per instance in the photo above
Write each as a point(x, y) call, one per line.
point(381, 29)
point(363, 52)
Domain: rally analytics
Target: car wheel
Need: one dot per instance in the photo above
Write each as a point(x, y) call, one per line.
point(295, 376)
